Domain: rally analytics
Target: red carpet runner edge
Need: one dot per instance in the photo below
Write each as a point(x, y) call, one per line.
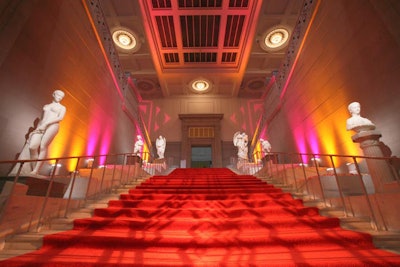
point(206, 217)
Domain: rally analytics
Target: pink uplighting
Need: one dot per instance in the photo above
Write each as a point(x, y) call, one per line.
point(167, 118)
point(301, 142)
point(233, 118)
point(156, 127)
point(313, 141)
point(105, 142)
point(94, 134)
point(143, 109)
point(100, 135)
point(153, 116)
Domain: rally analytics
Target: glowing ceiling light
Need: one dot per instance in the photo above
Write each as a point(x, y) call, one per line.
point(126, 40)
point(275, 39)
point(200, 85)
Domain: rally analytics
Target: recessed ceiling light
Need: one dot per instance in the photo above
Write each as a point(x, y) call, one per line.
point(200, 85)
point(275, 39)
point(126, 40)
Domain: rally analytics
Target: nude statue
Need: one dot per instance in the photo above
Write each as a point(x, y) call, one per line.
point(40, 139)
point(265, 146)
point(160, 145)
point(240, 140)
point(356, 122)
point(138, 145)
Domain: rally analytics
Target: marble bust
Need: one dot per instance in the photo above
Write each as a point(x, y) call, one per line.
point(356, 122)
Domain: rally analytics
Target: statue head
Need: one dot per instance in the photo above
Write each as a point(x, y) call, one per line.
point(58, 95)
point(354, 108)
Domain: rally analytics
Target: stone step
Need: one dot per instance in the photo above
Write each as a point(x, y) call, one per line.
point(332, 212)
point(9, 253)
point(357, 224)
point(387, 240)
point(62, 224)
point(27, 241)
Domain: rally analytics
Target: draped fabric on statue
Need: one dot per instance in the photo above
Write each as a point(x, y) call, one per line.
point(206, 217)
point(26, 168)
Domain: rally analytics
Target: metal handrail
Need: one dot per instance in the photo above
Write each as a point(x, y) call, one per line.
point(50, 206)
point(313, 179)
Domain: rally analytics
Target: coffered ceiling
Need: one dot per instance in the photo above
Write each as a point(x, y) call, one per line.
point(220, 41)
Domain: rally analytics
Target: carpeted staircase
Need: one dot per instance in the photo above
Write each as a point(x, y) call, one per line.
point(206, 217)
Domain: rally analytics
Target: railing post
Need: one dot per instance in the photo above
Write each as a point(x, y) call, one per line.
point(12, 189)
point(90, 180)
point(319, 180)
point(373, 222)
point(339, 187)
point(129, 166)
point(304, 174)
point(72, 187)
point(47, 196)
point(294, 175)
point(102, 176)
point(112, 179)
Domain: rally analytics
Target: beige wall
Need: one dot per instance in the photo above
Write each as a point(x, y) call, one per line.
point(352, 53)
point(161, 116)
point(47, 45)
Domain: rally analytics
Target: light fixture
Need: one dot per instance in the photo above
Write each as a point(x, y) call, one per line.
point(275, 38)
point(200, 85)
point(316, 161)
point(126, 40)
point(89, 163)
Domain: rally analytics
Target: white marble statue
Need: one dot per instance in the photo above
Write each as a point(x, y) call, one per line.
point(240, 140)
point(161, 142)
point(40, 138)
point(265, 146)
point(138, 145)
point(356, 122)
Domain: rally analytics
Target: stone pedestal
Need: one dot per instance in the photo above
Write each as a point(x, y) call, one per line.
point(379, 169)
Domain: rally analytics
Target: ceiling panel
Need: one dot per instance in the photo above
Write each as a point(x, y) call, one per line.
point(214, 39)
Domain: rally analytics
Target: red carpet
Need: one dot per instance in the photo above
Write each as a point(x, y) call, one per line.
point(206, 217)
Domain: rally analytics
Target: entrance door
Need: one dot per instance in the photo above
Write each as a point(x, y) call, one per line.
point(204, 132)
point(201, 157)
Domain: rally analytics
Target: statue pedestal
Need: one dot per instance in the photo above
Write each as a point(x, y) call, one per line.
point(379, 169)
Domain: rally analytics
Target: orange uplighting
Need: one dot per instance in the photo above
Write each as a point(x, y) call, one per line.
point(63, 145)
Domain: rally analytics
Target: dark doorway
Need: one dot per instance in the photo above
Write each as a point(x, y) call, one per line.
point(201, 157)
